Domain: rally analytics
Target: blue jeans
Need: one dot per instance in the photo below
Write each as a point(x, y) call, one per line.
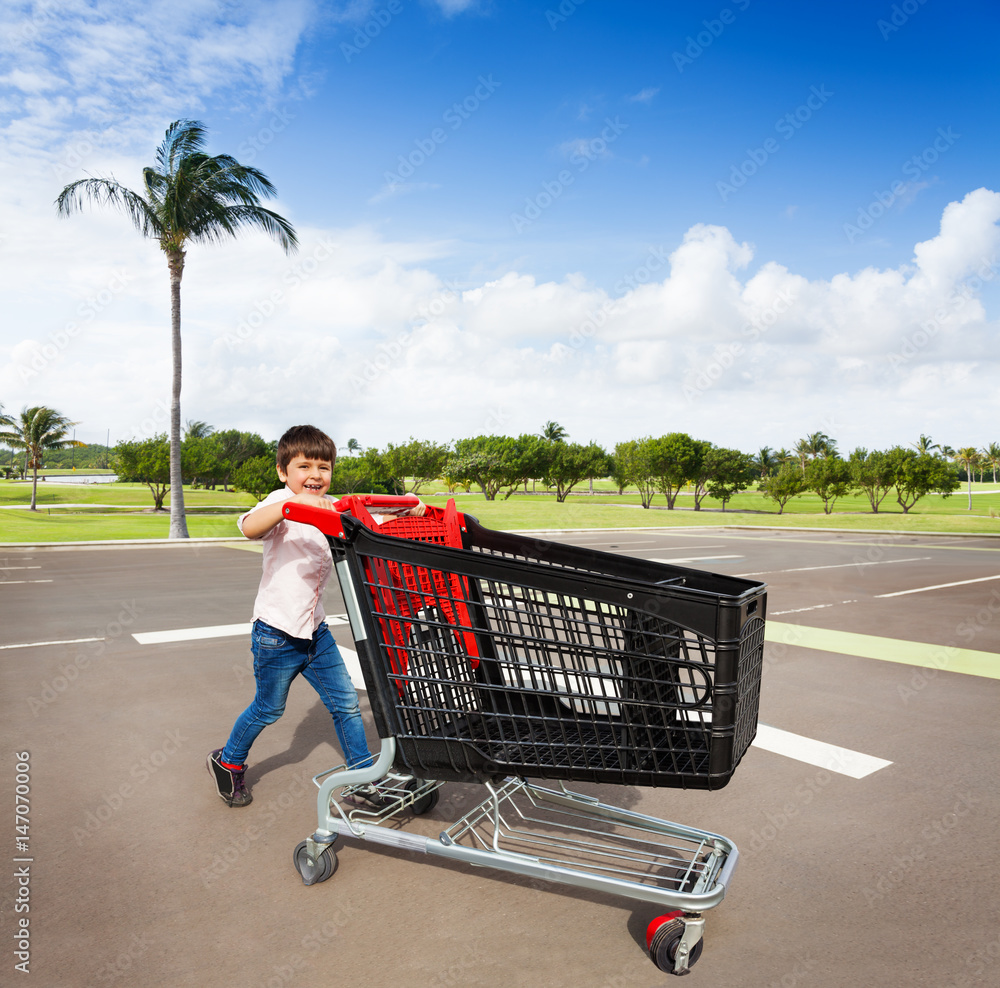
point(277, 660)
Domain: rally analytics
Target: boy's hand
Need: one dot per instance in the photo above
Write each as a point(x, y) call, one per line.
point(315, 500)
point(418, 510)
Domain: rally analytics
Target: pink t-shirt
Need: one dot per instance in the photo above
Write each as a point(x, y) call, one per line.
point(297, 564)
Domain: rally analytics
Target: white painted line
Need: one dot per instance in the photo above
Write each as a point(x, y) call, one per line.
point(213, 631)
point(853, 764)
point(7, 583)
point(7, 569)
point(694, 559)
point(939, 586)
point(815, 607)
point(867, 562)
point(68, 641)
point(191, 634)
point(354, 668)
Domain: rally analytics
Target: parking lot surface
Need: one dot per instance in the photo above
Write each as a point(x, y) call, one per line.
point(865, 814)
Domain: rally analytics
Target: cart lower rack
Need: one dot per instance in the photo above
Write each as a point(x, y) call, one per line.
point(498, 659)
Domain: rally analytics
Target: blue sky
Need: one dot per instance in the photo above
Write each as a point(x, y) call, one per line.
point(742, 220)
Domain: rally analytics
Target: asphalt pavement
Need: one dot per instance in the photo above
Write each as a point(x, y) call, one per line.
point(883, 652)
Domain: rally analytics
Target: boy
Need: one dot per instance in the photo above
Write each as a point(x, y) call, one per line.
point(290, 635)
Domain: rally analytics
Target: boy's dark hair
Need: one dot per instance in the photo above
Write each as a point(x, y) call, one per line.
point(307, 441)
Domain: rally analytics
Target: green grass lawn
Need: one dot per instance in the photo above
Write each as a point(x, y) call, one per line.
point(213, 513)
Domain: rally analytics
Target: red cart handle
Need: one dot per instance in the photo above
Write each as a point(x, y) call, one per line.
point(384, 504)
point(327, 520)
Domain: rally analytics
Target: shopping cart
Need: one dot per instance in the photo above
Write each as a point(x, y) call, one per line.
point(495, 658)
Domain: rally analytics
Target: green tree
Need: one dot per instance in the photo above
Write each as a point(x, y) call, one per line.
point(634, 464)
point(492, 462)
point(188, 197)
point(729, 472)
point(257, 476)
point(201, 459)
point(830, 477)
point(677, 460)
point(701, 472)
point(782, 486)
point(572, 462)
point(872, 473)
point(235, 448)
point(38, 430)
point(421, 460)
point(353, 446)
point(145, 461)
point(917, 474)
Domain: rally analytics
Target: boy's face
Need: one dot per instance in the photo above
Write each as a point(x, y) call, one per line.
point(307, 476)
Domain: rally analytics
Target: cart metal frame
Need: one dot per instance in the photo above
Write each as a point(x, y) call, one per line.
point(550, 833)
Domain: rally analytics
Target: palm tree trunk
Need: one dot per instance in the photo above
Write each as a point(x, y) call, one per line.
point(178, 522)
point(34, 486)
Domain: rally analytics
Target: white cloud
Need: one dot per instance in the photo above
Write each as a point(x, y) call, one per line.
point(644, 95)
point(365, 336)
point(360, 335)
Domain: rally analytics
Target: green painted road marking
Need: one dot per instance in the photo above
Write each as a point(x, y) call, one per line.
point(946, 657)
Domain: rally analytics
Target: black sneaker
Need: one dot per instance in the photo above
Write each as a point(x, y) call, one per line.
point(229, 781)
point(368, 795)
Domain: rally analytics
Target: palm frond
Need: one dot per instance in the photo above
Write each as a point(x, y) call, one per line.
point(109, 192)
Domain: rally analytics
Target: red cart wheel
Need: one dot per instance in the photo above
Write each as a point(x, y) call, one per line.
point(663, 936)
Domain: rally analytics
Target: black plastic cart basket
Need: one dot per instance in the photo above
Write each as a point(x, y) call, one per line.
point(498, 658)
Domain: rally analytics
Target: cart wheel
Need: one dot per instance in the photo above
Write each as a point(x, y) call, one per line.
point(663, 937)
point(427, 802)
point(321, 871)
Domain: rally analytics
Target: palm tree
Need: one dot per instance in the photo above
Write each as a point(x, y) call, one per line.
point(353, 446)
point(924, 444)
point(6, 420)
point(40, 429)
point(968, 457)
point(764, 461)
point(991, 455)
point(554, 432)
point(188, 197)
point(814, 445)
point(197, 430)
